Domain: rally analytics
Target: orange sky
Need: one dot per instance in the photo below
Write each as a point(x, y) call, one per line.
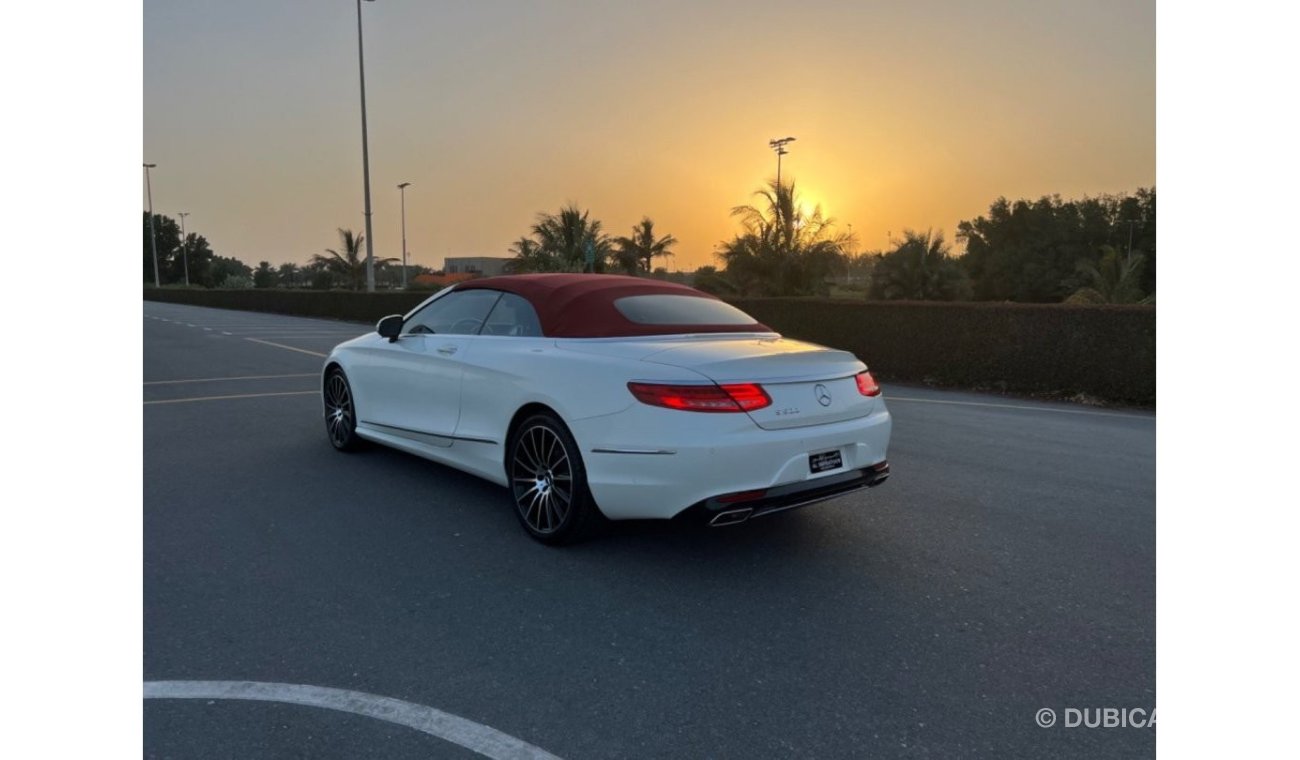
point(913, 114)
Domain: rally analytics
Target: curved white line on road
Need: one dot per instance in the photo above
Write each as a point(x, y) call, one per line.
point(1025, 407)
point(476, 737)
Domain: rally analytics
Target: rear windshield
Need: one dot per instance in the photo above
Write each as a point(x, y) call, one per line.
point(680, 310)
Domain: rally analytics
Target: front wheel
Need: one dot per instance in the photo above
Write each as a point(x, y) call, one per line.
point(549, 482)
point(340, 412)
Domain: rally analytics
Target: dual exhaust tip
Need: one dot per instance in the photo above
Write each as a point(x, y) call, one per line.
point(731, 517)
point(871, 477)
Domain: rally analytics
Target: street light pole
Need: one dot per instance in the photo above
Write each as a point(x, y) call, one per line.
point(1128, 259)
point(778, 145)
point(403, 187)
point(153, 238)
point(365, 155)
point(185, 247)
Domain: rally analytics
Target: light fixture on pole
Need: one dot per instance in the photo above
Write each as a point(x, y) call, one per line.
point(185, 247)
point(778, 145)
point(403, 187)
point(365, 155)
point(153, 238)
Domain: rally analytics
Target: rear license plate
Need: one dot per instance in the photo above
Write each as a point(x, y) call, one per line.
point(825, 460)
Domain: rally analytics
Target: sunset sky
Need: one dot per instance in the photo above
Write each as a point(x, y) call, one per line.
point(908, 114)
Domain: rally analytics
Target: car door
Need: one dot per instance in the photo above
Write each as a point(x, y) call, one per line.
point(414, 382)
point(498, 359)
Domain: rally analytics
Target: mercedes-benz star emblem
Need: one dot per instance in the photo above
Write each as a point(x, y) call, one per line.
point(823, 395)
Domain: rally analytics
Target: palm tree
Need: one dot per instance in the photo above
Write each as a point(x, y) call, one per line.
point(782, 249)
point(1112, 279)
point(637, 253)
point(529, 257)
point(710, 280)
point(289, 274)
point(567, 237)
point(920, 268)
point(350, 264)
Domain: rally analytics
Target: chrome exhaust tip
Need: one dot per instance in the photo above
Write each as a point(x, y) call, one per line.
point(731, 517)
point(879, 474)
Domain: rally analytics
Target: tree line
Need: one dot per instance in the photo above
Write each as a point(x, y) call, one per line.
point(206, 269)
point(344, 267)
point(1091, 250)
point(571, 241)
point(1098, 249)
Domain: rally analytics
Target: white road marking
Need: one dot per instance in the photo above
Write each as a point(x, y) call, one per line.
point(223, 332)
point(309, 336)
point(476, 737)
point(221, 379)
point(889, 399)
point(294, 330)
point(312, 326)
point(290, 348)
point(238, 395)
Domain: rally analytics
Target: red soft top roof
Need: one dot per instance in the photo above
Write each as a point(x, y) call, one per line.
point(582, 305)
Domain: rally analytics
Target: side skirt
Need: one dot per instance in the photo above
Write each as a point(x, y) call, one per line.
point(475, 456)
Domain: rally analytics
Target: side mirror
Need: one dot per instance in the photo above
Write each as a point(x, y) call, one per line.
point(390, 327)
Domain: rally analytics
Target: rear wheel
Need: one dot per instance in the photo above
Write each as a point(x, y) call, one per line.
point(549, 482)
point(340, 412)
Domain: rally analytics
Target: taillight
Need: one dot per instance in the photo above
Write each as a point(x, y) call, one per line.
point(867, 384)
point(729, 397)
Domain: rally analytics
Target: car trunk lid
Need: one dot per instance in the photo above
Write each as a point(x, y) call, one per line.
point(808, 384)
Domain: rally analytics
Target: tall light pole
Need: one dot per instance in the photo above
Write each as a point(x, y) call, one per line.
point(365, 155)
point(185, 247)
point(1130, 223)
point(153, 238)
point(402, 187)
point(848, 274)
point(778, 145)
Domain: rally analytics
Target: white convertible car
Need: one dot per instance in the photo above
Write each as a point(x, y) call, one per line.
point(592, 395)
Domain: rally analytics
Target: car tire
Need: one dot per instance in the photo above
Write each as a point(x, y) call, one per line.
point(548, 482)
point(340, 411)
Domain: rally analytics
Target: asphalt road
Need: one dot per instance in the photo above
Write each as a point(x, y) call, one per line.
point(1008, 565)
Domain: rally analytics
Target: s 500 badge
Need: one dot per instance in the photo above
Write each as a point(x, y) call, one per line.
point(787, 411)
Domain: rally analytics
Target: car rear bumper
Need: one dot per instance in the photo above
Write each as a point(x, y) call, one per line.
point(656, 463)
point(726, 509)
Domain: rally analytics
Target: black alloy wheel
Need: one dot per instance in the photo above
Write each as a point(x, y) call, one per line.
point(549, 482)
point(340, 412)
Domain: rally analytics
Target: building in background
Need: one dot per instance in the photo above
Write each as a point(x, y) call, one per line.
point(423, 281)
point(481, 266)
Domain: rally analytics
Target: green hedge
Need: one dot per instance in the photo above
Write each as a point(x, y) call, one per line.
point(1105, 352)
point(331, 304)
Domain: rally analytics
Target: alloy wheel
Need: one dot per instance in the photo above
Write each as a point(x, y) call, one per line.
point(338, 410)
point(542, 479)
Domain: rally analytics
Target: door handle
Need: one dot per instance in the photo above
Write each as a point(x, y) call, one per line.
point(448, 350)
